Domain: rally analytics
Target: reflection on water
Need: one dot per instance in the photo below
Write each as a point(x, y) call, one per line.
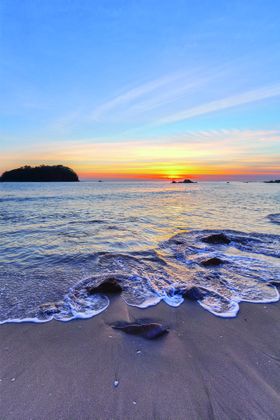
point(54, 236)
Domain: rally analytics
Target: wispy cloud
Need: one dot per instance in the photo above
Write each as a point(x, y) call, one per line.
point(186, 94)
point(168, 99)
point(131, 95)
point(157, 93)
point(221, 104)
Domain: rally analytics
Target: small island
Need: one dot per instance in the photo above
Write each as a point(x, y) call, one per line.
point(42, 173)
point(186, 181)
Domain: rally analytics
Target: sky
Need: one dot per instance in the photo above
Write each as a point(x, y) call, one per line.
point(141, 89)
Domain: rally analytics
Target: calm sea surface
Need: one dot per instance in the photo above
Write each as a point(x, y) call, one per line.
point(58, 239)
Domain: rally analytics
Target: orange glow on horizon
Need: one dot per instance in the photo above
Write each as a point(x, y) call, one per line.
point(195, 173)
point(197, 156)
point(171, 171)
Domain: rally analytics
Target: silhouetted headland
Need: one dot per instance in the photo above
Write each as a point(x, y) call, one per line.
point(186, 181)
point(43, 173)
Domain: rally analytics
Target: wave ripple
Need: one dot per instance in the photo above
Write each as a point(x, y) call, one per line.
point(274, 218)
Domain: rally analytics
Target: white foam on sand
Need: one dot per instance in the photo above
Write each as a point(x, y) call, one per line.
point(242, 277)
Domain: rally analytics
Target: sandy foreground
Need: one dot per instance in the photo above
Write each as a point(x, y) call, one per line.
point(205, 368)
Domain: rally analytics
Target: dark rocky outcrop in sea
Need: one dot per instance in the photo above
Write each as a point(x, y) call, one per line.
point(186, 181)
point(110, 285)
point(275, 181)
point(218, 238)
point(43, 173)
point(212, 262)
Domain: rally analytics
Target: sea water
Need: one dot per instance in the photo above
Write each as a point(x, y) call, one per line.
point(60, 239)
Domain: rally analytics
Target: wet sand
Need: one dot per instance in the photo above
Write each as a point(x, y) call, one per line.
point(205, 368)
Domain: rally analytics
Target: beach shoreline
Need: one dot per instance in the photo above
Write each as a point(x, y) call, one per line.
point(205, 367)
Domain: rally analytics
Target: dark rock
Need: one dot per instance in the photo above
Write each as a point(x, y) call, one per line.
point(186, 181)
point(276, 181)
point(216, 238)
point(195, 293)
point(149, 330)
point(110, 285)
point(212, 262)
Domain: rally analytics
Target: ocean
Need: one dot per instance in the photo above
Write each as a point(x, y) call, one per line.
point(58, 240)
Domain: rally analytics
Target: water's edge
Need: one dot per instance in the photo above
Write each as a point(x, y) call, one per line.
point(218, 268)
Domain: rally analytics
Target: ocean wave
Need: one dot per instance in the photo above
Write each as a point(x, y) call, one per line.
point(274, 218)
point(201, 265)
point(29, 199)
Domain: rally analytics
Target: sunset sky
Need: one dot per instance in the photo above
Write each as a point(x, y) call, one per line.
point(150, 89)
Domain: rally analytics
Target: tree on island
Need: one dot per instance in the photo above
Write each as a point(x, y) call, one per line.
point(42, 173)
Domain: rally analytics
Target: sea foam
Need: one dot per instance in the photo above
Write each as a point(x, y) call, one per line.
point(223, 267)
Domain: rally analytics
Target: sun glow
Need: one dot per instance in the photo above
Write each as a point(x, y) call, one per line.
point(173, 173)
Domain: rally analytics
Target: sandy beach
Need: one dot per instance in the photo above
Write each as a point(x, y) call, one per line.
point(206, 367)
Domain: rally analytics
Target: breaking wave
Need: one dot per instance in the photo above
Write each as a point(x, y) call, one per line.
point(218, 269)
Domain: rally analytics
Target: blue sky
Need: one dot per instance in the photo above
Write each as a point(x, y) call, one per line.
point(81, 75)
